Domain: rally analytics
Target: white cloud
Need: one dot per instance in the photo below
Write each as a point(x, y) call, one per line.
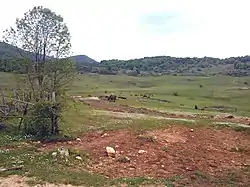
point(115, 29)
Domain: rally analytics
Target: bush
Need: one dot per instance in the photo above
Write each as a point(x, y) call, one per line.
point(175, 94)
point(41, 120)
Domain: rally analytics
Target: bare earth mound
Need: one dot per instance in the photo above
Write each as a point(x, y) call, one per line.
point(169, 152)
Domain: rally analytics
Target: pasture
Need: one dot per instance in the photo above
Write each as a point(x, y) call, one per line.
point(159, 137)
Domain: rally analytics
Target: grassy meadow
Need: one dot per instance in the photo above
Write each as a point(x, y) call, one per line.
point(214, 91)
point(182, 92)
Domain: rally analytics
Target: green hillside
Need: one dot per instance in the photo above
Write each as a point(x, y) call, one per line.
point(159, 65)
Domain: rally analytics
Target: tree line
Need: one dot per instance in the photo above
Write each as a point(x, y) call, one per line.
point(161, 65)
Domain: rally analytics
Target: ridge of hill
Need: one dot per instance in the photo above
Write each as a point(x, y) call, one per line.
point(161, 65)
point(158, 65)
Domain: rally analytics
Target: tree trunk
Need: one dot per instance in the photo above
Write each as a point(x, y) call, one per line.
point(24, 113)
point(54, 121)
point(56, 126)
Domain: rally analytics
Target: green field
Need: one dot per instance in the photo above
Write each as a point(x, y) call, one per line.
point(215, 91)
point(229, 94)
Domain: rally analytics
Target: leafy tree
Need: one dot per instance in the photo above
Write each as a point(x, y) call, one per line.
point(42, 40)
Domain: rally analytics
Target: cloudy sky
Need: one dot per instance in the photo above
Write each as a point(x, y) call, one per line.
point(124, 29)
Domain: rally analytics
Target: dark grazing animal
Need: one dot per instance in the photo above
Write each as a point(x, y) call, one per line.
point(112, 98)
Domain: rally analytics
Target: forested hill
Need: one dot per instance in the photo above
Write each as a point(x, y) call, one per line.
point(9, 55)
point(84, 63)
point(159, 65)
point(236, 66)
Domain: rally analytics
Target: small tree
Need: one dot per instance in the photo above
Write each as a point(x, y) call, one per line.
point(42, 40)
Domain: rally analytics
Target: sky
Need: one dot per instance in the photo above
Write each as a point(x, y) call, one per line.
point(127, 29)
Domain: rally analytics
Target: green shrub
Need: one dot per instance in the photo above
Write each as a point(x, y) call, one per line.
point(175, 94)
point(41, 119)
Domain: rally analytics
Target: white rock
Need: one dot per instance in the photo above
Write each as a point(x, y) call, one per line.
point(105, 134)
point(81, 99)
point(78, 139)
point(54, 153)
point(192, 130)
point(141, 151)
point(63, 152)
point(110, 151)
point(90, 99)
point(78, 158)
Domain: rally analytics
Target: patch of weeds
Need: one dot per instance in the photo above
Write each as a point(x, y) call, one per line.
point(75, 152)
point(202, 175)
point(15, 158)
point(130, 181)
point(45, 167)
point(221, 126)
point(59, 138)
point(12, 138)
point(169, 184)
point(33, 182)
point(146, 138)
point(141, 181)
point(137, 181)
point(143, 125)
point(233, 178)
point(165, 148)
point(175, 94)
point(63, 170)
point(238, 149)
point(242, 129)
point(227, 180)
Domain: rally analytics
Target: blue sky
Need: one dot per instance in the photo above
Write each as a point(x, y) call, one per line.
point(125, 29)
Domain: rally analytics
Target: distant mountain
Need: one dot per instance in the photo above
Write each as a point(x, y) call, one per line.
point(9, 57)
point(83, 59)
point(7, 50)
point(84, 63)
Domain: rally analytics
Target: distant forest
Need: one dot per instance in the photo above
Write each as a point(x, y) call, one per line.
point(161, 65)
point(156, 66)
